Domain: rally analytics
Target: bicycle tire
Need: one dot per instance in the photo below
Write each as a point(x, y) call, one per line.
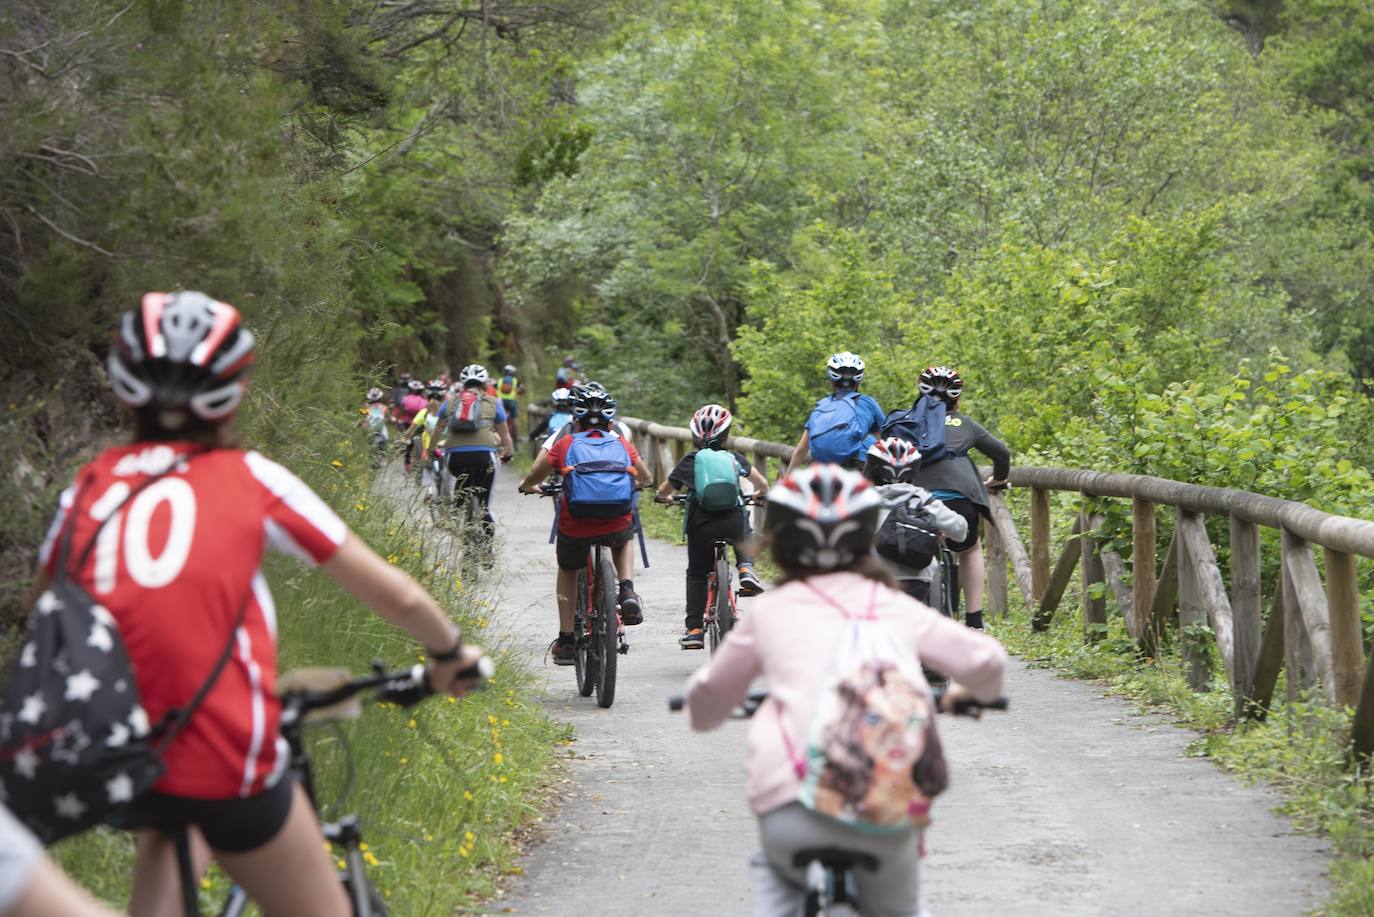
point(584, 660)
point(951, 572)
point(723, 613)
point(605, 624)
point(376, 903)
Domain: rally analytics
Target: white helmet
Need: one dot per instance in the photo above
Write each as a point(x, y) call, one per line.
point(710, 424)
point(473, 374)
point(845, 367)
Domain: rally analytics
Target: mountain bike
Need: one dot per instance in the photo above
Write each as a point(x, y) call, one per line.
point(311, 696)
point(830, 886)
point(597, 628)
point(722, 598)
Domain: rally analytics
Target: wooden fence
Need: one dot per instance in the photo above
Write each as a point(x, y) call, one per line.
point(1313, 628)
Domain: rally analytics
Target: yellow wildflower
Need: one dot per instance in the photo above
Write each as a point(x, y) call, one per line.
point(498, 758)
point(336, 463)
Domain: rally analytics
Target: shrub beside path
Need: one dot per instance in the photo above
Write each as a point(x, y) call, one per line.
point(1068, 805)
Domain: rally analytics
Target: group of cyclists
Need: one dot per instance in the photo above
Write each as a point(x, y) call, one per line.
point(165, 536)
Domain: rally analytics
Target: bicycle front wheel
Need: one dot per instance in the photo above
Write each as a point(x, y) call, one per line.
point(605, 627)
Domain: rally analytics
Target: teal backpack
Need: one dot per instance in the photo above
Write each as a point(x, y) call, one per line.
point(716, 481)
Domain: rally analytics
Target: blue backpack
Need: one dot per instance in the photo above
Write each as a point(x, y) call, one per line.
point(597, 481)
point(923, 425)
point(835, 430)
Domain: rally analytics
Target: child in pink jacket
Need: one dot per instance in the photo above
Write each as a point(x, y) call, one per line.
point(821, 521)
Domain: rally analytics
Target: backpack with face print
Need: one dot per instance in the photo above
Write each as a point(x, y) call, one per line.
point(873, 758)
point(75, 743)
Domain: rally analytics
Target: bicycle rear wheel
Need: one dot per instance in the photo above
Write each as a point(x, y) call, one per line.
point(605, 626)
point(584, 659)
point(723, 612)
point(950, 569)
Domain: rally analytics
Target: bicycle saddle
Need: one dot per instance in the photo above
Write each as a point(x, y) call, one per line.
point(835, 858)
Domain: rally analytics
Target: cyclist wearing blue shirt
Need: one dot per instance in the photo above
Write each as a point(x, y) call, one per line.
point(845, 424)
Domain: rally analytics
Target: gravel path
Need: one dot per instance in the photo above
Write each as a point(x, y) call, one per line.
point(1069, 805)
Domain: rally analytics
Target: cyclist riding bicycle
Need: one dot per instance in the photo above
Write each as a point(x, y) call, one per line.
point(190, 517)
point(844, 424)
point(509, 389)
point(412, 404)
point(821, 521)
point(954, 480)
point(425, 424)
point(891, 466)
point(566, 376)
point(594, 415)
point(706, 523)
point(398, 393)
point(556, 433)
point(475, 424)
point(374, 419)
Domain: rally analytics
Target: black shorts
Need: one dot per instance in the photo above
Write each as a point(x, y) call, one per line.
point(229, 825)
point(512, 408)
point(572, 551)
point(969, 510)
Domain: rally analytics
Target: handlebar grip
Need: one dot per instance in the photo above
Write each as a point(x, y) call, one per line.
point(482, 669)
point(676, 703)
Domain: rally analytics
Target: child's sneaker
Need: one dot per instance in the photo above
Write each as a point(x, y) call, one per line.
point(693, 639)
point(749, 583)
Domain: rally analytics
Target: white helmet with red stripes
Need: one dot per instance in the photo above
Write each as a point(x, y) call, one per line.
point(822, 518)
point(891, 460)
point(182, 351)
point(709, 426)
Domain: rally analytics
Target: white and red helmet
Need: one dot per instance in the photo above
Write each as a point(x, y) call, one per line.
point(710, 424)
point(822, 517)
point(182, 351)
point(891, 460)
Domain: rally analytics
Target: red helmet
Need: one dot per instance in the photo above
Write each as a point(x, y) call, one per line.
point(890, 460)
point(822, 517)
point(182, 351)
point(709, 425)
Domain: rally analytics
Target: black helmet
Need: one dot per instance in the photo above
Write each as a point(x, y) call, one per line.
point(182, 352)
point(822, 518)
point(941, 381)
point(593, 407)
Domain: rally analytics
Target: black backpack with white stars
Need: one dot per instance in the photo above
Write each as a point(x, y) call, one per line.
point(75, 743)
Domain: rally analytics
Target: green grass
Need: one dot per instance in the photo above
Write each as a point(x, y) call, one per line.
point(1300, 748)
point(443, 788)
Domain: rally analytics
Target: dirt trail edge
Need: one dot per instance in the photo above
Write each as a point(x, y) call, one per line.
point(1069, 805)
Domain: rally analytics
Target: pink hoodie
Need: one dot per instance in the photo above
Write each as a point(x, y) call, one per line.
point(788, 635)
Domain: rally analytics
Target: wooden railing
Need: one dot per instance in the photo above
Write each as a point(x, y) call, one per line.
point(1313, 628)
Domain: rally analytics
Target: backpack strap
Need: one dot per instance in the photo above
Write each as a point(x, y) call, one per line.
point(869, 615)
point(174, 720)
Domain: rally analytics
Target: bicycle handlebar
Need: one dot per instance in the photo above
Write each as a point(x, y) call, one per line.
point(405, 687)
point(750, 705)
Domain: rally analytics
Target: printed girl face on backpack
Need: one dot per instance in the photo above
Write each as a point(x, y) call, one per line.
point(877, 730)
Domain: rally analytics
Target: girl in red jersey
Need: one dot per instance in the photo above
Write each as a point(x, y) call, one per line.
point(178, 565)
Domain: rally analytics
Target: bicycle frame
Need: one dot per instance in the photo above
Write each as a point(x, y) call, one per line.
point(713, 587)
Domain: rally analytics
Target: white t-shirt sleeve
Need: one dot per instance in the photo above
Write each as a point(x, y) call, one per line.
point(20, 854)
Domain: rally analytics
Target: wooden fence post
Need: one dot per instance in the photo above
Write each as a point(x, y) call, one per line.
point(1245, 608)
point(1015, 551)
point(1115, 568)
point(1305, 587)
point(1094, 579)
point(1144, 544)
point(1192, 606)
point(761, 463)
point(1297, 650)
point(997, 573)
point(1362, 731)
point(1059, 580)
point(1347, 638)
point(1211, 590)
point(1162, 604)
point(1270, 660)
point(1040, 542)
